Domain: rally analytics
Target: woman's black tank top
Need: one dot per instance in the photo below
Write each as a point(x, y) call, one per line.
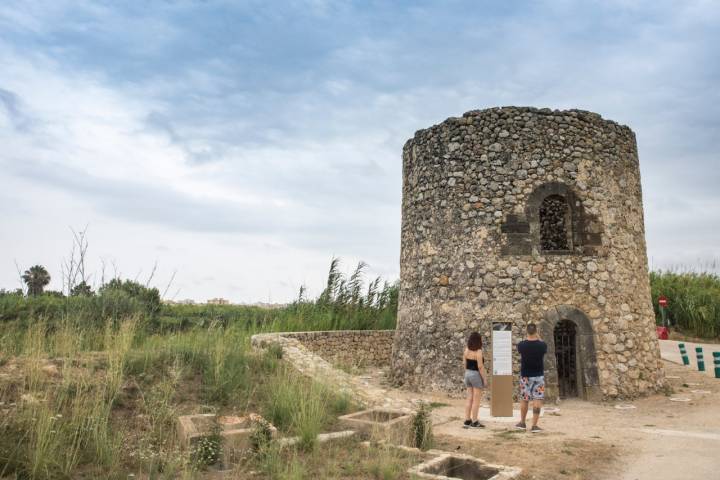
point(471, 364)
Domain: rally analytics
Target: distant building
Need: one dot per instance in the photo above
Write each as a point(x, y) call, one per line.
point(218, 301)
point(266, 305)
point(187, 301)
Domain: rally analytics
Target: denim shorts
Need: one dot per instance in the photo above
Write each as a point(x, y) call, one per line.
point(473, 379)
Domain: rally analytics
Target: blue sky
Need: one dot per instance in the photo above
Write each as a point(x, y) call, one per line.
point(245, 143)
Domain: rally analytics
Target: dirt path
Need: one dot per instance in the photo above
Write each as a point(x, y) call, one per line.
point(659, 439)
point(687, 437)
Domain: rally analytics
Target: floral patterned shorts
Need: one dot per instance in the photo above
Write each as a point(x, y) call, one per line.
point(532, 388)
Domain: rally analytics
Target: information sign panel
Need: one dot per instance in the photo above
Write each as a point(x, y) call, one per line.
point(502, 348)
point(502, 380)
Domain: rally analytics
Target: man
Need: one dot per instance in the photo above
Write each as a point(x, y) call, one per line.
point(532, 377)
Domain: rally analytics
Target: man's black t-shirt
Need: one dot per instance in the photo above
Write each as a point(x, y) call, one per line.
point(531, 357)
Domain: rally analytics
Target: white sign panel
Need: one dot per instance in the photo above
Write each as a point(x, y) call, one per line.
point(502, 349)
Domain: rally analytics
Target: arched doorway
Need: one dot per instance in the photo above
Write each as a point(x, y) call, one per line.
point(566, 358)
point(571, 361)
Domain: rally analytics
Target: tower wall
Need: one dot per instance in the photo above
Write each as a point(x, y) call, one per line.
point(472, 253)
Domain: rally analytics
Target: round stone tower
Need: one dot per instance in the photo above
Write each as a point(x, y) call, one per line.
point(526, 215)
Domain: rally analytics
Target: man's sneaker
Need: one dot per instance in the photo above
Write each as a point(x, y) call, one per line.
point(521, 426)
point(536, 429)
point(467, 424)
point(476, 424)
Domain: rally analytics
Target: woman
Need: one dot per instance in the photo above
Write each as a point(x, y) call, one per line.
point(475, 379)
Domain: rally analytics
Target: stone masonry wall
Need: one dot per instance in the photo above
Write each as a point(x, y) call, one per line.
point(313, 365)
point(349, 347)
point(471, 252)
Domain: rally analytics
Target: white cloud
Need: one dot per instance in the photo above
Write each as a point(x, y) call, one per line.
point(90, 154)
point(247, 156)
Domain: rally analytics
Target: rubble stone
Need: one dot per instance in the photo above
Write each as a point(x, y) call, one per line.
point(556, 225)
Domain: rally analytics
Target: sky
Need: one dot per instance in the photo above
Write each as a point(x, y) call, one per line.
point(240, 145)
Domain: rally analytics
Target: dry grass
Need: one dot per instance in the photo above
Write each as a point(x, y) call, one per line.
point(111, 413)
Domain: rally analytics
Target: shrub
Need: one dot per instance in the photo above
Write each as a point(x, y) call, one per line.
point(340, 403)
point(261, 435)
point(207, 450)
point(422, 427)
point(91, 311)
point(81, 289)
point(275, 351)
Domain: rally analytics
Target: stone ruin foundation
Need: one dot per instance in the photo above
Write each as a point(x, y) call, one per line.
point(526, 215)
point(454, 466)
point(381, 424)
point(236, 432)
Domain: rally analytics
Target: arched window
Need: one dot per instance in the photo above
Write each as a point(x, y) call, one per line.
point(554, 222)
point(555, 234)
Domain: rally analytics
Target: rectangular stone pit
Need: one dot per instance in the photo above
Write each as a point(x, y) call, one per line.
point(462, 467)
point(235, 431)
point(380, 424)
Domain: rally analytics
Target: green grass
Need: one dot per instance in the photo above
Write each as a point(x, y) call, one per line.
point(116, 414)
point(127, 366)
point(60, 423)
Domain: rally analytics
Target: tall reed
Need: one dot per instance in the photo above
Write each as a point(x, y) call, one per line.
point(347, 302)
point(694, 300)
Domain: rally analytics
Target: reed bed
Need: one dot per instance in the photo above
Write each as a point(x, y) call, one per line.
point(693, 300)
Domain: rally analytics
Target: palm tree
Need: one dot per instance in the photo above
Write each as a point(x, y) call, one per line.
point(36, 277)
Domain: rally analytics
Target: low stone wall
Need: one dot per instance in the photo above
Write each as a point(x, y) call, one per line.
point(368, 345)
point(365, 348)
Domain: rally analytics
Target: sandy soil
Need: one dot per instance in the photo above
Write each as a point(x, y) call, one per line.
point(658, 439)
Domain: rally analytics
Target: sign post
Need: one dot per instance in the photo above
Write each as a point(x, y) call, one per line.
point(663, 303)
point(502, 379)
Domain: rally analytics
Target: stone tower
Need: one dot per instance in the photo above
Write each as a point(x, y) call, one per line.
point(526, 215)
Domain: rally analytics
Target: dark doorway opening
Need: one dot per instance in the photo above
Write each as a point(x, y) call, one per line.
point(566, 355)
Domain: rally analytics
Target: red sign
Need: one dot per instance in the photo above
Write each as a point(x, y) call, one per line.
point(662, 333)
point(662, 301)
